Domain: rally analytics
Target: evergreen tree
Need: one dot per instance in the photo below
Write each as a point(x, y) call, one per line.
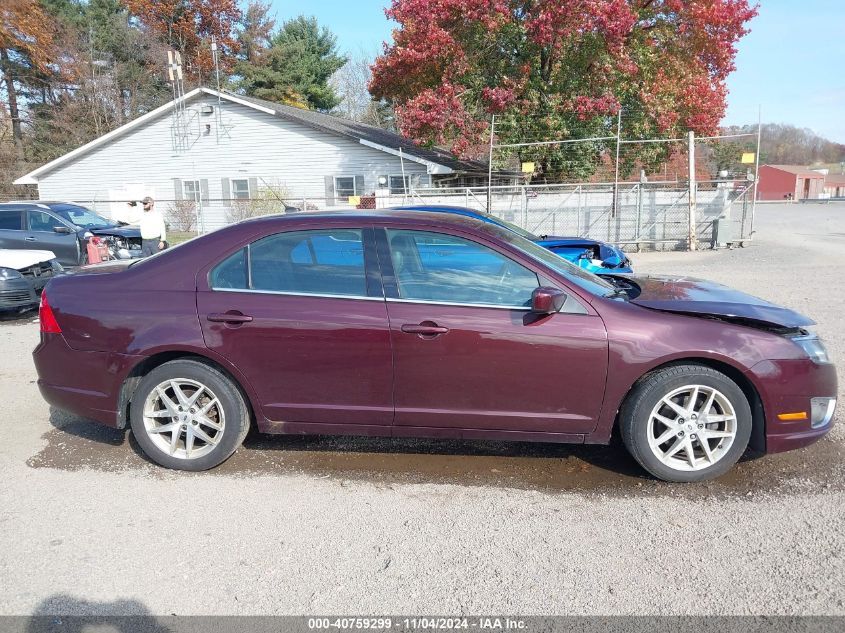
point(296, 68)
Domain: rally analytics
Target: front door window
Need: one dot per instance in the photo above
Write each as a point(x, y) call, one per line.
point(448, 269)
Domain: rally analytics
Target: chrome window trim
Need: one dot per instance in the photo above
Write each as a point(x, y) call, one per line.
point(295, 294)
point(462, 305)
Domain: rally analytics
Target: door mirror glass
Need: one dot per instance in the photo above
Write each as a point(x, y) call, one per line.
point(545, 300)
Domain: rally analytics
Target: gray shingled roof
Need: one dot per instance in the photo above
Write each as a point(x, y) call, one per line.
point(362, 131)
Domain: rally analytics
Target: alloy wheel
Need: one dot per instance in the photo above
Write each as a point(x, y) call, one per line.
point(692, 427)
point(184, 418)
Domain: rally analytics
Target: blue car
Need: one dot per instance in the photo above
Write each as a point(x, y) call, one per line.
point(591, 255)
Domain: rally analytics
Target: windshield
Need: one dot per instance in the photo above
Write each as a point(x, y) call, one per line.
point(81, 217)
point(577, 275)
point(528, 235)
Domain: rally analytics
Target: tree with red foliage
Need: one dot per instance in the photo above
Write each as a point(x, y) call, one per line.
point(554, 69)
point(188, 27)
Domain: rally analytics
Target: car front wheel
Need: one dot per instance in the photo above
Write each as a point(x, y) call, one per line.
point(188, 415)
point(686, 423)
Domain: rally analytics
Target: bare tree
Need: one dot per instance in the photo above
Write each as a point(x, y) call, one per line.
point(182, 215)
point(350, 83)
point(266, 201)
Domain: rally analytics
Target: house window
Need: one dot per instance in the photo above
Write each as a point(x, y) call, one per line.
point(192, 190)
point(400, 184)
point(240, 189)
point(344, 186)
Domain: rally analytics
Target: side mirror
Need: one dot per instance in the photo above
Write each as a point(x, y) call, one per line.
point(546, 300)
point(62, 229)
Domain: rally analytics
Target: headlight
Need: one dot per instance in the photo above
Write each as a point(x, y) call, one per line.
point(813, 347)
point(56, 266)
point(9, 273)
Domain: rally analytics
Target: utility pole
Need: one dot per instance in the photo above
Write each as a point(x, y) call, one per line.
point(404, 181)
point(692, 192)
point(616, 174)
point(490, 165)
point(756, 168)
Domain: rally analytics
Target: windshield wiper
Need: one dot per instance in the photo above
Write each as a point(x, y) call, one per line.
point(616, 292)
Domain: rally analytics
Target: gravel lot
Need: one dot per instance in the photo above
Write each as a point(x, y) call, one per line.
point(368, 526)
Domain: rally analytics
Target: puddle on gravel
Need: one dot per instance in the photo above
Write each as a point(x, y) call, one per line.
point(608, 470)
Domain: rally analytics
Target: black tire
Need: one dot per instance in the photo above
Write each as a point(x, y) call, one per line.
point(634, 419)
point(231, 401)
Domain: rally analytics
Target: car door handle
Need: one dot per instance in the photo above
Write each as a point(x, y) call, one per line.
point(229, 317)
point(424, 329)
point(29, 238)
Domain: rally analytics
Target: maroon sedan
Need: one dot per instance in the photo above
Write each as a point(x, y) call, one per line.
point(424, 325)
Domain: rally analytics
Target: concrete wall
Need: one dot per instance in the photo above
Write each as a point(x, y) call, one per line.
point(647, 216)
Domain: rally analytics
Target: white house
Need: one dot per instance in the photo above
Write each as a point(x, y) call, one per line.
point(215, 147)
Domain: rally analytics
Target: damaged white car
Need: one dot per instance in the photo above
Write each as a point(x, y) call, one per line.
point(23, 273)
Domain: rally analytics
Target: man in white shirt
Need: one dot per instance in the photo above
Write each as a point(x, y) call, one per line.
point(153, 231)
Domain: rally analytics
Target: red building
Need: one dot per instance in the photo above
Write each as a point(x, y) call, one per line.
point(834, 185)
point(789, 182)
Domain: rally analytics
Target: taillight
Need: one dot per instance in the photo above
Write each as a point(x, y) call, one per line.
point(49, 325)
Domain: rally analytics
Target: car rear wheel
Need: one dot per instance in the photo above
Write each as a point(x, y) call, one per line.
point(188, 416)
point(686, 423)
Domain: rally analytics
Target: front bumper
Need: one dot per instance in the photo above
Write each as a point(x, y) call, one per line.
point(125, 253)
point(17, 295)
point(788, 387)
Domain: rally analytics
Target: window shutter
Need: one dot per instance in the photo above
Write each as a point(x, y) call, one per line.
point(177, 189)
point(329, 190)
point(253, 187)
point(204, 189)
point(227, 191)
point(359, 186)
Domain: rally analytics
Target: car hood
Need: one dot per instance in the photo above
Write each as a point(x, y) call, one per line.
point(688, 295)
point(23, 258)
point(119, 231)
point(574, 242)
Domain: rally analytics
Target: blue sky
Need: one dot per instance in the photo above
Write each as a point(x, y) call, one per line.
point(791, 63)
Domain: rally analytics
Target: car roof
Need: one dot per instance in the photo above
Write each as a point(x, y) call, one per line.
point(390, 214)
point(439, 208)
point(27, 203)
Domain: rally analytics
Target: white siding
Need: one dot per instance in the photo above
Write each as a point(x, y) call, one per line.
point(241, 143)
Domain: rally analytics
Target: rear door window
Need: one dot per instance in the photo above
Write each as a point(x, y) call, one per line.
point(320, 262)
point(11, 220)
point(231, 273)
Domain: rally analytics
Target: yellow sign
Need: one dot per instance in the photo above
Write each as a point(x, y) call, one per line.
point(748, 158)
point(355, 200)
point(527, 168)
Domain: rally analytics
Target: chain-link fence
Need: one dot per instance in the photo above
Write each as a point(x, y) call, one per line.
point(637, 216)
point(659, 193)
